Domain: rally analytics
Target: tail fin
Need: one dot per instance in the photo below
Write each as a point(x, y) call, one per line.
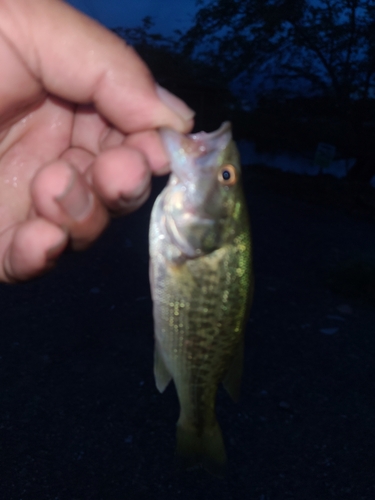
point(206, 448)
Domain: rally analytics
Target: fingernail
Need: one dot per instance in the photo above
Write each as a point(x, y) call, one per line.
point(174, 103)
point(56, 250)
point(128, 202)
point(76, 200)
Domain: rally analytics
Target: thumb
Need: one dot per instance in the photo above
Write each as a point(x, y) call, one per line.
point(77, 59)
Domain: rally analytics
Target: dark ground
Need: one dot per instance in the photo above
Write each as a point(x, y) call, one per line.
point(80, 417)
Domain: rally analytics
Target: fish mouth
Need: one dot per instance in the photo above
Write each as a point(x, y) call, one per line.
point(202, 147)
point(210, 137)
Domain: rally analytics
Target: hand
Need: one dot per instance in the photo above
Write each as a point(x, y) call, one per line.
point(78, 117)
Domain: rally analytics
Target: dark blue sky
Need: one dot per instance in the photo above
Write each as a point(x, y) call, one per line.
point(168, 14)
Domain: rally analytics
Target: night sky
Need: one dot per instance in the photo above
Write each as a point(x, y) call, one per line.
point(167, 14)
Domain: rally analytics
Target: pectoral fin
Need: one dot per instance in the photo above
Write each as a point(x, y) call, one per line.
point(161, 373)
point(232, 380)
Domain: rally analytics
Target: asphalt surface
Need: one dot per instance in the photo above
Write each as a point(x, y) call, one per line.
point(80, 417)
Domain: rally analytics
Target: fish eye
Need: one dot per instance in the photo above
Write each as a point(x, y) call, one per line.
point(227, 175)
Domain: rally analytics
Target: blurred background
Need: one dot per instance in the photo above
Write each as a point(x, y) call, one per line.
point(290, 75)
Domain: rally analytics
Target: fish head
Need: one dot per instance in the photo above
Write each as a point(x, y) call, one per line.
point(203, 188)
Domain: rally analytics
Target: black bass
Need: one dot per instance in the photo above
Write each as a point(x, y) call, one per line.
point(201, 282)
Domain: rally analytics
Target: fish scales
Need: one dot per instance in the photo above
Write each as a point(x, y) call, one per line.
point(200, 299)
point(200, 352)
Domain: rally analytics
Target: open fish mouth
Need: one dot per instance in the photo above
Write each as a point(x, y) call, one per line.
point(207, 139)
point(192, 152)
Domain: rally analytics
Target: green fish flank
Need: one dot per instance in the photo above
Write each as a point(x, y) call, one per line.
point(202, 285)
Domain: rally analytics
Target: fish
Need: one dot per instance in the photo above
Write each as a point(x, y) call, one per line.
point(201, 279)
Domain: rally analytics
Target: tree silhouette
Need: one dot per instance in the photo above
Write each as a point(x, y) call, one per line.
point(304, 47)
point(327, 44)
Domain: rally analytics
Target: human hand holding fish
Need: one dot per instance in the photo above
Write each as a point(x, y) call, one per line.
point(79, 113)
point(202, 284)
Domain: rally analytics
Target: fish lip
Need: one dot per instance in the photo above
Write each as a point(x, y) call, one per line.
point(207, 139)
point(224, 127)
